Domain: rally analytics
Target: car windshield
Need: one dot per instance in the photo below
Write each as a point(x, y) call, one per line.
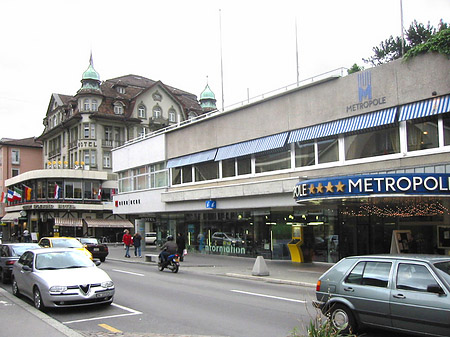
point(444, 269)
point(66, 243)
point(19, 250)
point(89, 241)
point(62, 260)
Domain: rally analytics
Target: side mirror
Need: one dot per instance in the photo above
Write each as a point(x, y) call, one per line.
point(26, 268)
point(436, 289)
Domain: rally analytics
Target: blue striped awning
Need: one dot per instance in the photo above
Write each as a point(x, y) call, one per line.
point(252, 146)
point(194, 158)
point(430, 107)
point(370, 120)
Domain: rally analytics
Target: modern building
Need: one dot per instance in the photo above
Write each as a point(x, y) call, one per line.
point(16, 156)
point(72, 194)
point(336, 166)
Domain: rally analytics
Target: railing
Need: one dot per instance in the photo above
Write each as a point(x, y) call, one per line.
point(111, 143)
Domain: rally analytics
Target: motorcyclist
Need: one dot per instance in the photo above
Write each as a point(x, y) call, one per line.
point(167, 249)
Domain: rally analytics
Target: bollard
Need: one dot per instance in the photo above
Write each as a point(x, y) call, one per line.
point(260, 267)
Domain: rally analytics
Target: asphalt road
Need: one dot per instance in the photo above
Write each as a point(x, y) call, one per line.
point(195, 304)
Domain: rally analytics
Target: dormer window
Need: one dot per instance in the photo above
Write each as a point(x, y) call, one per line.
point(172, 115)
point(142, 111)
point(120, 90)
point(157, 111)
point(118, 108)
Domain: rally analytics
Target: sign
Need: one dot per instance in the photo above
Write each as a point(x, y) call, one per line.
point(210, 204)
point(365, 99)
point(372, 185)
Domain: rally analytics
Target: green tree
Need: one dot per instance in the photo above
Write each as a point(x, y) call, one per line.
point(354, 69)
point(391, 48)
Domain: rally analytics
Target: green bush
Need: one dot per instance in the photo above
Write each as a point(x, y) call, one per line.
point(319, 328)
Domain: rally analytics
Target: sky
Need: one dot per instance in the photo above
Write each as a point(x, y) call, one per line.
point(241, 48)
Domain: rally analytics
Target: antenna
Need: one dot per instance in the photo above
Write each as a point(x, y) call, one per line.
point(296, 51)
point(401, 20)
point(221, 58)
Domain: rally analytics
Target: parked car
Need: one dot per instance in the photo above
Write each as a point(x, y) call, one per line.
point(64, 242)
point(98, 250)
point(223, 239)
point(61, 277)
point(9, 254)
point(150, 238)
point(408, 293)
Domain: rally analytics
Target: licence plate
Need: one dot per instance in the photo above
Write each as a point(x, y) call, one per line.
point(104, 294)
point(96, 249)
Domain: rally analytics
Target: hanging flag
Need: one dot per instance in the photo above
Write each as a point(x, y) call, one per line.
point(27, 192)
point(4, 197)
point(17, 195)
point(57, 191)
point(99, 194)
point(10, 196)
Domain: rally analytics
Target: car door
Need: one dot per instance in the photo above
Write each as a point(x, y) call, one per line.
point(23, 275)
point(367, 288)
point(413, 306)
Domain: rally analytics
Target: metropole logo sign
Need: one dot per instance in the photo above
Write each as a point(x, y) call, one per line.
point(373, 185)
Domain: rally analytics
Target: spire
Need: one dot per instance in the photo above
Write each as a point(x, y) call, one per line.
point(207, 98)
point(91, 78)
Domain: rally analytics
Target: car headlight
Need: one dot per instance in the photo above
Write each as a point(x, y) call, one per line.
point(58, 289)
point(108, 284)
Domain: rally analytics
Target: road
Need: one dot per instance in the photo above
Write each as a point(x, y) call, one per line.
point(193, 303)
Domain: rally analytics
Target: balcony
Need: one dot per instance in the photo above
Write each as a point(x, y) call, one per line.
point(106, 143)
point(158, 123)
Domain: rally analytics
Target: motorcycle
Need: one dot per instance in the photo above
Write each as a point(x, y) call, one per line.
point(172, 263)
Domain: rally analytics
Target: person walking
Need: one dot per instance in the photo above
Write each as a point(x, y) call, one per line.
point(181, 243)
point(26, 235)
point(137, 244)
point(127, 242)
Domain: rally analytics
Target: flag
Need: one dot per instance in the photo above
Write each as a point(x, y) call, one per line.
point(17, 194)
point(4, 197)
point(57, 191)
point(27, 192)
point(10, 196)
point(99, 194)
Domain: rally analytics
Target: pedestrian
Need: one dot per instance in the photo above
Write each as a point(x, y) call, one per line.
point(201, 239)
point(181, 243)
point(137, 244)
point(26, 235)
point(127, 242)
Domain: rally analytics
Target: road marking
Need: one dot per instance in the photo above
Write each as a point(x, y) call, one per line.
point(127, 272)
point(132, 312)
point(109, 328)
point(268, 296)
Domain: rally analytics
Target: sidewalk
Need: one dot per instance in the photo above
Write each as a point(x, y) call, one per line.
point(280, 271)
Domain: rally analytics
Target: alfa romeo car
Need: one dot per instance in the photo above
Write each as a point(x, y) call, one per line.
point(407, 293)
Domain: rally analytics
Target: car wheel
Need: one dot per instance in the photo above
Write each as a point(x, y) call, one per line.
point(102, 259)
point(342, 318)
point(15, 288)
point(38, 304)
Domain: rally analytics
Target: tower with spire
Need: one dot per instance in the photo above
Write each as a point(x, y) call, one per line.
point(208, 99)
point(90, 79)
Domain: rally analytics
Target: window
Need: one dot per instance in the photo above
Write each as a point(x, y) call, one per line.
point(244, 165)
point(228, 168)
point(157, 111)
point(422, 134)
point(73, 189)
point(107, 159)
point(206, 171)
point(86, 130)
point(304, 154)
point(142, 111)
point(118, 108)
point(328, 150)
point(92, 131)
point(447, 129)
point(159, 175)
point(120, 90)
point(172, 115)
point(125, 181)
point(414, 277)
point(15, 157)
point(94, 105)
point(140, 179)
point(370, 273)
point(272, 161)
point(108, 133)
point(86, 105)
point(15, 172)
point(176, 175)
point(142, 131)
point(187, 174)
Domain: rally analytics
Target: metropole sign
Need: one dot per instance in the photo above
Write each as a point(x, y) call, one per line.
point(433, 184)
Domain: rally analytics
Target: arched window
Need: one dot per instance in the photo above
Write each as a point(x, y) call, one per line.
point(94, 105)
point(157, 111)
point(172, 115)
point(142, 111)
point(118, 108)
point(87, 105)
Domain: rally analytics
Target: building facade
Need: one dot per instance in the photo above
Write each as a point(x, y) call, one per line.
point(272, 177)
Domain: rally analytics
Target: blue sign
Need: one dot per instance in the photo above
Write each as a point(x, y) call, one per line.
point(210, 204)
point(364, 85)
point(371, 185)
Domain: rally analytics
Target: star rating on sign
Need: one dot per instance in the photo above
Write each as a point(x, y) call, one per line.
point(329, 188)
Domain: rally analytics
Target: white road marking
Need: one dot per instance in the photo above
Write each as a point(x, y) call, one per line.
point(268, 296)
point(127, 272)
point(131, 313)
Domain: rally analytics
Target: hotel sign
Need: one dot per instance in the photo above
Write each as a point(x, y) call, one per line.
point(373, 185)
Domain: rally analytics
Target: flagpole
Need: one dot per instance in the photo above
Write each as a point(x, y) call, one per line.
point(221, 57)
point(296, 51)
point(401, 21)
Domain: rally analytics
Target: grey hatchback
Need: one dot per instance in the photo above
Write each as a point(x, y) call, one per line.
point(407, 293)
point(9, 254)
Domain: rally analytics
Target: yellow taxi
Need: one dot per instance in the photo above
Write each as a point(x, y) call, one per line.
point(64, 242)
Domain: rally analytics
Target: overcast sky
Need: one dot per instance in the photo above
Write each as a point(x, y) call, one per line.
point(45, 45)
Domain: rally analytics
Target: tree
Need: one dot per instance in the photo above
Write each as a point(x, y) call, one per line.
point(354, 69)
point(391, 48)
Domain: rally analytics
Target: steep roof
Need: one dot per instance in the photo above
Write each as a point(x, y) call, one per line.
point(25, 142)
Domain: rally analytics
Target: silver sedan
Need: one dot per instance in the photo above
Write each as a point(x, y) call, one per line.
point(60, 277)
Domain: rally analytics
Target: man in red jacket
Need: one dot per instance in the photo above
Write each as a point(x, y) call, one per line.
point(127, 241)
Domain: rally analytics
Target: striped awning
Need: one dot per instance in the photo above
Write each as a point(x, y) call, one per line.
point(109, 223)
point(190, 159)
point(361, 122)
point(68, 222)
point(11, 216)
point(252, 146)
point(429, 107)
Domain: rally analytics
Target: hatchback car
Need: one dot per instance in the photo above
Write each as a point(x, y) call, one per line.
point(64, 242)
point(9, 254)
point(224, 239)
point(61, 277)
point(98, 250)
point(408, 293)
